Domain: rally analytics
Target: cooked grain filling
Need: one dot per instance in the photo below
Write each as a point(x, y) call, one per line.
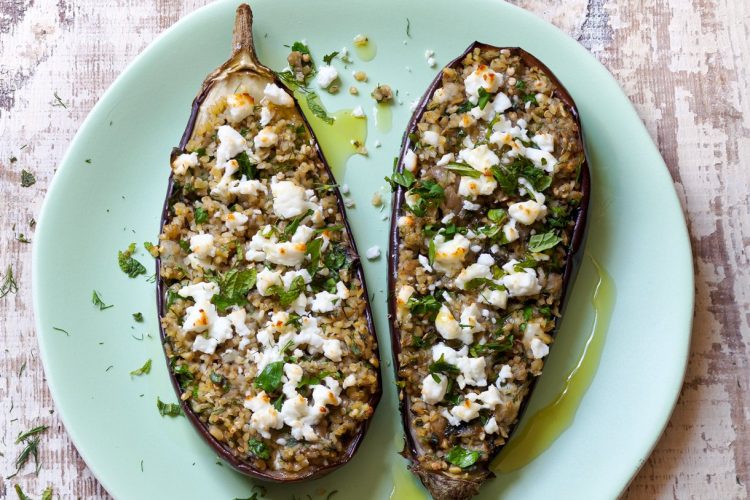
point(492, 188)
point(266, 327)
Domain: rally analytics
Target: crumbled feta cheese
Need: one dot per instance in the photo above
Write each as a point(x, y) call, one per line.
point(277, 95)
point(433, 392)
point(239, 106)
point(373, 252)
point(402, 299)
point(265, 116)
point(326, 76)
point(358, 112)
point(510, 232)
point(349, 381)
point(266, 138)
point(181, 164)
point(431, 138)
point(446, 324)
point(545, 142)
point(324, 302)
point(527, 212)
point(447, 218)
point(265, 416)
point(501, 103)
point(235, 221)
point(482, 77)
point(480, 158)
point(287, 253)
point(521, 283)
point(541, 159)
point(445, 159)
point(425, 263)
point(474, 271)
point(497, 298)
point(202, 245)
point(504, 375)
point(538, 348)
point(342, 291)
point(289, 200)
point(231, 143)
point(471, 207)
point(265, 279)
point(410, 161)
point(491, 426)
point(449, 255)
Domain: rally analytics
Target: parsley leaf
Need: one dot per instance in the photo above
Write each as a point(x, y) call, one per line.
point(313, 250)
point(442, 366)
point(484, 98)
point(247, 168)
point(201, 215)
point(128, 264)
point(138, 317)
point(270, 378)
point(462, 457)
point(168, 409)
point(329, 57)
point(335, 258)
point(143, 370)
point(292, 226)
point(234, 285)
point(544, 241)
point(286, 297)
point(405, 179)
point(427, 304)
point(464, 170)
point(96, 299)
point(258, 448)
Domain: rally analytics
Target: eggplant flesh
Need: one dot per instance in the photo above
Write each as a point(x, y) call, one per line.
point(489, 214)
point(265, 319)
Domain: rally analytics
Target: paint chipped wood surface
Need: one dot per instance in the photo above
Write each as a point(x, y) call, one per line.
point(685, 64)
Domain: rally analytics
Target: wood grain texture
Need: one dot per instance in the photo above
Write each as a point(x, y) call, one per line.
point(683, 63)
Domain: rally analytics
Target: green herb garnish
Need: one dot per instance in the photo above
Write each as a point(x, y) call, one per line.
point(168, 409)
point(247, 168)
point(442, 366)
point(427, 304)
point(138, 317)
point(201, 215)
point(143, 370)
point(405, 179)
point(259, 449)
point(329, 57)
point(234, 285)
point(462, 457)
point(128, 264)
point(335, 258)
point(463, 169)
point(96, 299)
point(544, 241)
point(313, 250)
point(484, 98)
point(270, 378)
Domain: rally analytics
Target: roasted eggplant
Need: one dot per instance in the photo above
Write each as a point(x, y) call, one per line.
point(489, 211)
point(265, 319)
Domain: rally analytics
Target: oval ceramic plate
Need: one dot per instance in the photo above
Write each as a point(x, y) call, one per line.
point(637, 234)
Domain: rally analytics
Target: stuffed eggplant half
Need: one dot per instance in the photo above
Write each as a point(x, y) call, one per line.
point(265, 319)
point(490, 207)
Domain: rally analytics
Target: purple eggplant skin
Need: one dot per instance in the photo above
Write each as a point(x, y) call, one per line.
point(245, 60)
point(441, 486)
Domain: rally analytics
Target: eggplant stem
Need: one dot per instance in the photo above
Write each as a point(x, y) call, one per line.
point(242, 36)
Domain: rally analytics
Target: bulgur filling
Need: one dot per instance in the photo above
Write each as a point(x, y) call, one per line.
point(490, 186)
point(266, 322)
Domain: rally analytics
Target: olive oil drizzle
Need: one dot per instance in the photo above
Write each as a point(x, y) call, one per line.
point(383, 117)
point(367, 51)
point(339, 140)
point(546, 425)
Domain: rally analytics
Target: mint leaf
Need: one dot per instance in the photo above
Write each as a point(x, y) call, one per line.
point(462, 457)
point(544, 241)
point(270, 378)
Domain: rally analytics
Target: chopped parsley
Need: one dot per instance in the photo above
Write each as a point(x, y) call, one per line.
point(463, 169)
point(462, 457)
point(405, 179)
point(427, 305)
point(201, 215)
point(58, 102)
point(544, 241)
point(286, 297)
point(329, 57)
point(128, 264)
point(138, 317)
point(442, 366)
point(168, 409)
point(484, 98)
point(234, 285)
point(96, 299)
point(259, 449)
point(270, 378)
point(143, 370)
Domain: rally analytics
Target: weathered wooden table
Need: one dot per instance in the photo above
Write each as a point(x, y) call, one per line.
point(685, 65)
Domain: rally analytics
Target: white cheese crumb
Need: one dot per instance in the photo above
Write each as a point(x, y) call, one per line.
point(373, 252)
point(326, 76)
point(358, 112)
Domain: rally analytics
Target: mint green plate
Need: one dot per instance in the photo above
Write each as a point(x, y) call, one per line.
point(637, 234)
